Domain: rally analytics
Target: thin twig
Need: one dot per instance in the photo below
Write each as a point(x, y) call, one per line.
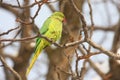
point(44, 37)
point(109, 53)
point(92, 64)
point(11, 41)
point(91, 18)
point(12, 10)
point(35, 15)
point(76, 65)
point(22, 7)
point(39, 7)
point(22, 39)
point(92, 24)
point(50, 6)
point(73, 43)
point(9, 68)
point(87, 56)
point(84, 25)
point(9, 31)
point(83, 70)
point(104, 28)
point(18, 3)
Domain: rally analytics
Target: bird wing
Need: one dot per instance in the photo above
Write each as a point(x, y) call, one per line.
point(43, 30)
point(45, 26)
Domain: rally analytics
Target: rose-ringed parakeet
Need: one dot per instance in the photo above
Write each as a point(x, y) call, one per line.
point(52, 29)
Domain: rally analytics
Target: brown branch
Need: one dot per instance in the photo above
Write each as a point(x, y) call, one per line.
point(18, 3)
point(22, 39)
point(9, 68)
point(21, 7)
point(96, 68)
point(25, 22)
point(49, 40)
point(91, 18)
point(61, 46)
point(73, 43)
point(87, 56)
point(69, 73)
point(11, 42)
point(84, 25)
point(51, 7)
point(9, 31)
point(103, 76)
point(83, 70)
point(36, 13)
point(10, 56)
point(102, 28)
point(28, 6)
point(1, 1)
point(92, 63)
point(39, 7)
point(76, 66)
point(92, 24)
point(109, 53)
point(84, 47)
point(12, 10)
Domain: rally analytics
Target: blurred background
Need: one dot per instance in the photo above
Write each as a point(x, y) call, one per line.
point(20, 18)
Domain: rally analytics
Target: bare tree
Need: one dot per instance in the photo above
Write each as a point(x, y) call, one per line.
point(76, 41)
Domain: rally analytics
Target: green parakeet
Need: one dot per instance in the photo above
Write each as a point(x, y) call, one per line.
point(52, 29)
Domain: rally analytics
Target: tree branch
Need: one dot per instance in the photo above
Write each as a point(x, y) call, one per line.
point(9, 68)
point(9, 31)
point(109, 53)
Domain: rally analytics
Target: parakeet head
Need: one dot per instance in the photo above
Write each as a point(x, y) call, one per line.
point(58, 15)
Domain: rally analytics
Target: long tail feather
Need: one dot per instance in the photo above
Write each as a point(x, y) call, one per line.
point(37, 52)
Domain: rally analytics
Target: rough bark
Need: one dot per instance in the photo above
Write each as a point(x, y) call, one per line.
point(114, 65)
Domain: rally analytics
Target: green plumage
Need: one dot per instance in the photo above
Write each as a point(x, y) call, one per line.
point(52, 29)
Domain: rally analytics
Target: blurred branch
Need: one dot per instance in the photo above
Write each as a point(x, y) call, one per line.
point(11, 57)
point(92, 64)
point(87, 56)
point(76, 66)
point(18, 3)
point(84, 25)
point(21, 7)
point(12, 10)
point(102, 28)
point(22, 39)
point(9, 68)
point(91, 18)
point(103, 76)
point(39, 3)
point(28, 6)
point(32, 18)
point(4, 33)
point(109, 53)
point(92, 25)
point(49, 40)
point(83, 70)
point(11, 42)
point(51, 7)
